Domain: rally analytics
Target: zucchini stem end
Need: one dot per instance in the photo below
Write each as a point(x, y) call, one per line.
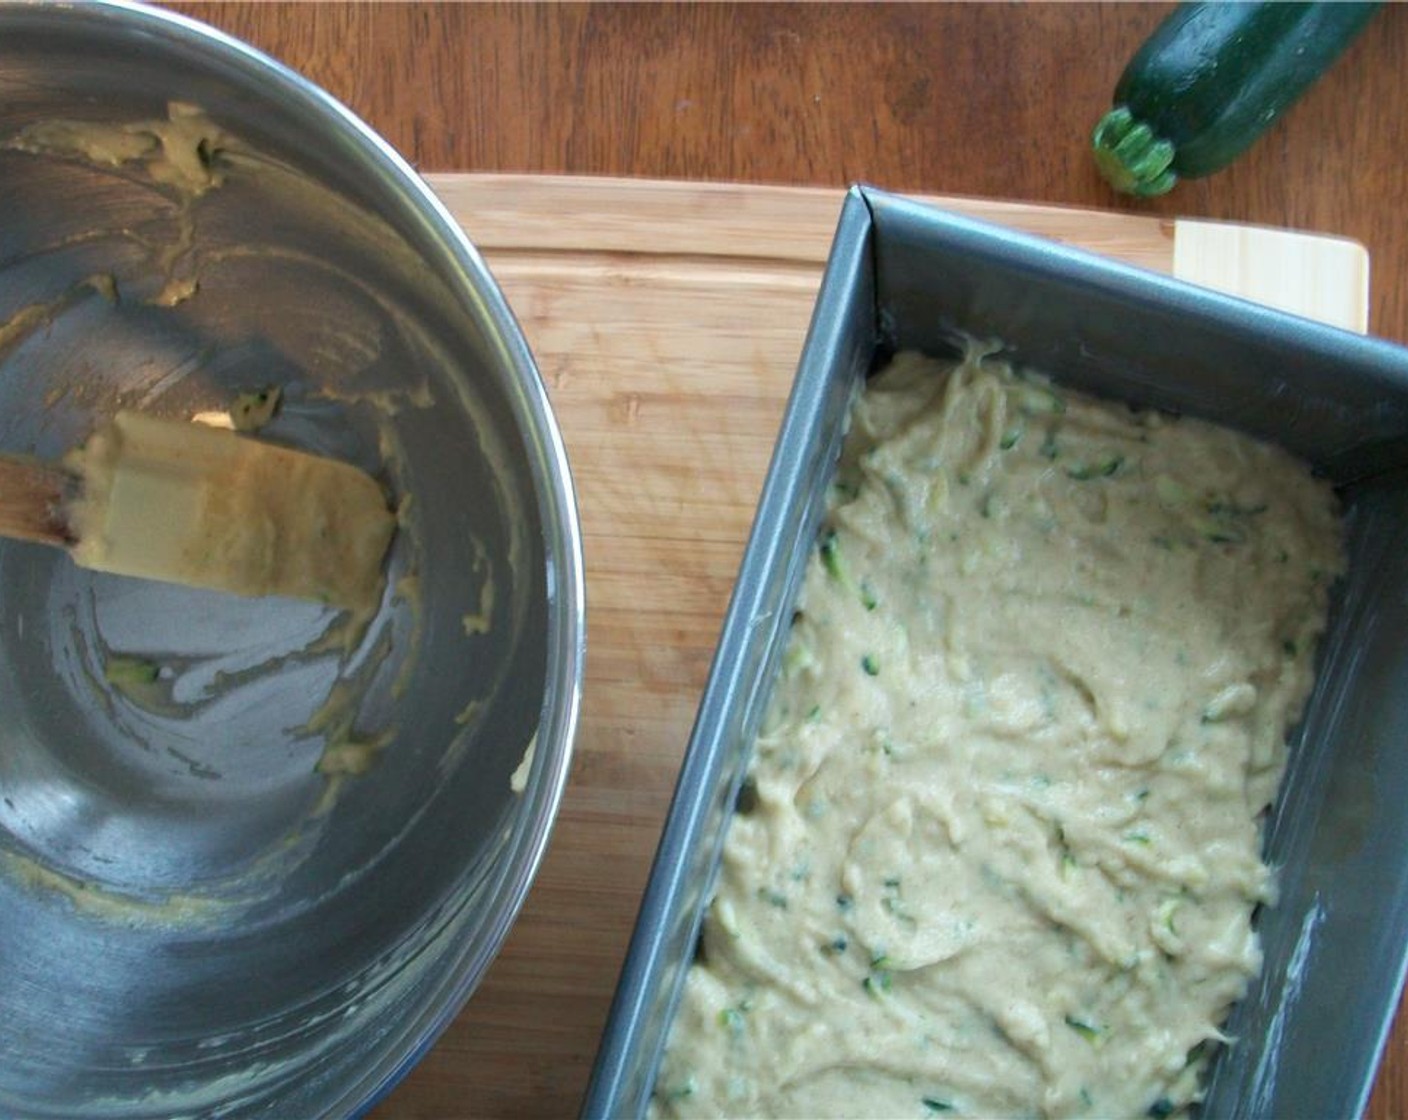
point(1130, 156)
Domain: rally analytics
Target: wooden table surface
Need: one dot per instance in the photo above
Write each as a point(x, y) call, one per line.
point(993, 100)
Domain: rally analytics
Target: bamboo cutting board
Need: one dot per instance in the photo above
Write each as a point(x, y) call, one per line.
point(667, 319)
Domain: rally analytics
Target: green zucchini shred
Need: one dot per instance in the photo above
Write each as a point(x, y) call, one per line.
point(680, 1092)
point(123, 670)
point(831, 555)
point(1103, 467)
point(731, 1019)
point(1092, 1033)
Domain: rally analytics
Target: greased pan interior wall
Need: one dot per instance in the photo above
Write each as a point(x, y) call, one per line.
point(1315, 1020)
point(918, 277)
point(1313, 1024)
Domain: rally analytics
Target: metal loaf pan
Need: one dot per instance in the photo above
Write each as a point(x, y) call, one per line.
point(901, 275)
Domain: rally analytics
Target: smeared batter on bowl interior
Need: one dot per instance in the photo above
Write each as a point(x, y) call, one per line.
point(998, 850)
point(179, 153)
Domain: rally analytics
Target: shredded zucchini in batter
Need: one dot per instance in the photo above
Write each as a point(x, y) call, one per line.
point(998, 849)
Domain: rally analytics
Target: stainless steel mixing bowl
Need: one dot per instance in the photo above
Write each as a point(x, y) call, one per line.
point(253, 859)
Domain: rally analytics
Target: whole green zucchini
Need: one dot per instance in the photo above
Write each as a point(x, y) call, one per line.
point(1209, 81)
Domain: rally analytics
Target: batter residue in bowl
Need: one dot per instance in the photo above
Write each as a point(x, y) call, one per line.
point(998, 850)
point(180, 153)
point(201, 706)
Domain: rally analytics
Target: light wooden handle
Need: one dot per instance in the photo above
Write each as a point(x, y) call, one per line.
point(32, 496)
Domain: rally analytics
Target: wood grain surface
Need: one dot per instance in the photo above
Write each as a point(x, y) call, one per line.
point(984, 100)
point(30, 497)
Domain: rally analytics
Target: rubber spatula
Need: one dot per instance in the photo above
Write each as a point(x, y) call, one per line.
point(196, 505)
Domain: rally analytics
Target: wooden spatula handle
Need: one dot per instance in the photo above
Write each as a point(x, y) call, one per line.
point(32, 497)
